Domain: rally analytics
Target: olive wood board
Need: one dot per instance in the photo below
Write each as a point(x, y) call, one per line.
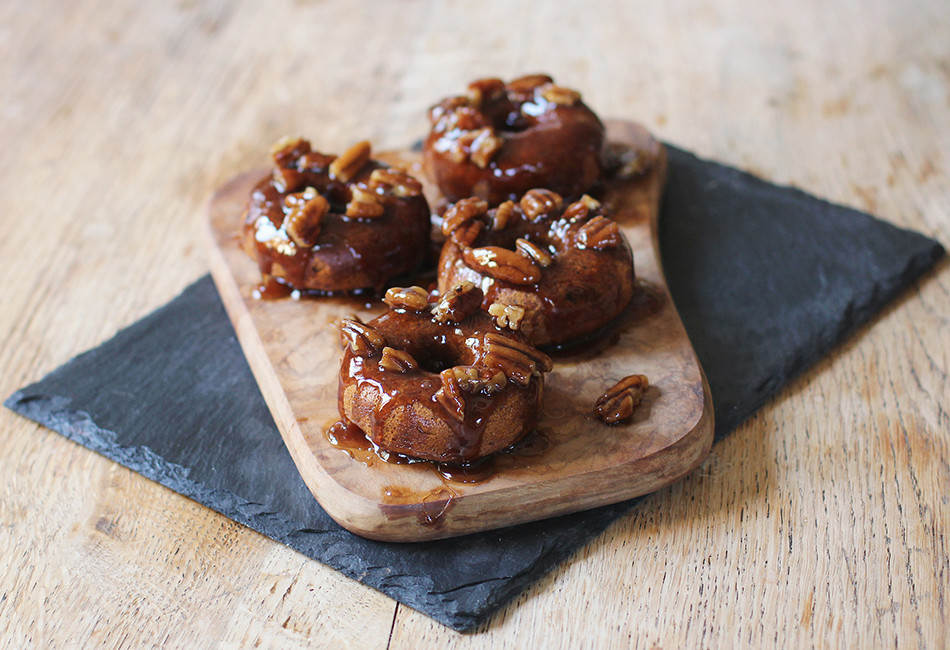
point(573, 462)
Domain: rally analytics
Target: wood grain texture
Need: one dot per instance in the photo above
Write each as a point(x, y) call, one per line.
point(822, 521)
point(293, 347)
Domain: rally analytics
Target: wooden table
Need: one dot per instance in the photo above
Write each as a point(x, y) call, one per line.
point(824, 520)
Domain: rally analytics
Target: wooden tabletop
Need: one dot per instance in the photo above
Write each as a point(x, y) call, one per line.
point(822, 521)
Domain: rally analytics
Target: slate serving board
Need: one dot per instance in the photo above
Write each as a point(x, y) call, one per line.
point(766, 279)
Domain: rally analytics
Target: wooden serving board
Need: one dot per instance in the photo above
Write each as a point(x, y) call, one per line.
point(573, 463)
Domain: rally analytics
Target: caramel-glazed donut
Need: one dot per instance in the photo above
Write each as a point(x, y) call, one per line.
point(500, 140)
point(439, 381)
point(335, 224)
point(555, 272)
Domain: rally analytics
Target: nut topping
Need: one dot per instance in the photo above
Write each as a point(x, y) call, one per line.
point(529, 82)
point(502, 264)
point(507, 315)
point(484, 147)
point(350, 162)
point(481, 91)
point(288, 149)
point(538, 202)
point(399, 183)
point(581, 209)
point(302, 223)
point(364, 204)
point(518, 361)
point(535, 252)
point(287, 179)
point(461, 213)
point(397, 361)
point(362, 339)
point(458, 303)
point(450, 394)
point(466, 234)
point(600, 233)
point(504, 216)
point(560, 95)
point(409, 298)
point(619, 401)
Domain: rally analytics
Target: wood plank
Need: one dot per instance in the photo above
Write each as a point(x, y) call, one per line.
point(293, 347)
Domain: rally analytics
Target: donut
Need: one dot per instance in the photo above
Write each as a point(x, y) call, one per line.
point(500, 140)
point(325, 224)
point(554, 271)
point(439, 381)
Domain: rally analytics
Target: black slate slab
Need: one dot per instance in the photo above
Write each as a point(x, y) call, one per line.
point(767, 279)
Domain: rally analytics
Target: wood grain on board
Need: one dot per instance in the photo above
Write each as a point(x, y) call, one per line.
point(573, 461)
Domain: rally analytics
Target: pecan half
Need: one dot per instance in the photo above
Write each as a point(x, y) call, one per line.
point(350, 162)
point(466, 234)
point(458, 303)
point(581, 208)
point(518, 361)
point(410, 298)
point(302, 223)
point(619, 401)
point(529, 82)
point(288, 149)
point(450, 395)
point(507, 315)
point(504, 215)
point(484, 147)
point(461, 213)
point(502, 264)
point(560, 95)
point(535, 252)
point(392, 180)
point(394, 360)
point(538, 202)
point(314, 161)
point(482, 91)
point(600, 233)
point(362, 339)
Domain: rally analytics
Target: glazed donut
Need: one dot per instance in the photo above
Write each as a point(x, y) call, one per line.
point(334, 224)
point(555, 272)
point(500, 140)
point(439, 381)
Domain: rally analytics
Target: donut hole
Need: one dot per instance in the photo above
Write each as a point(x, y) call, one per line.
point(435, 355)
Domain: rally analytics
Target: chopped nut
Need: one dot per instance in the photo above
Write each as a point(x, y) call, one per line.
point(507, 315)
point(560, 95)
point(581, 209)
point(484, 147)
point(600, 233)
point(538, 202)
point(535, 252)
point(362, 339)
point(504, 215)
point(302, 223)
point(394, 360)
point(411, 298)
point(458, 303)
point(502, 264)
point(314, 161)
point(518, 361)
point(399, 183)
point(462, 212)
point(471, 379)
point(350, 162)
point(482, 91)
point(287, 179)
point(619, 401)
point(364, 204)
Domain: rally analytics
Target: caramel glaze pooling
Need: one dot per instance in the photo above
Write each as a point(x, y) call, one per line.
point(500, 140)
point(334, 224)
point(460, 388)
point(567, 265)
